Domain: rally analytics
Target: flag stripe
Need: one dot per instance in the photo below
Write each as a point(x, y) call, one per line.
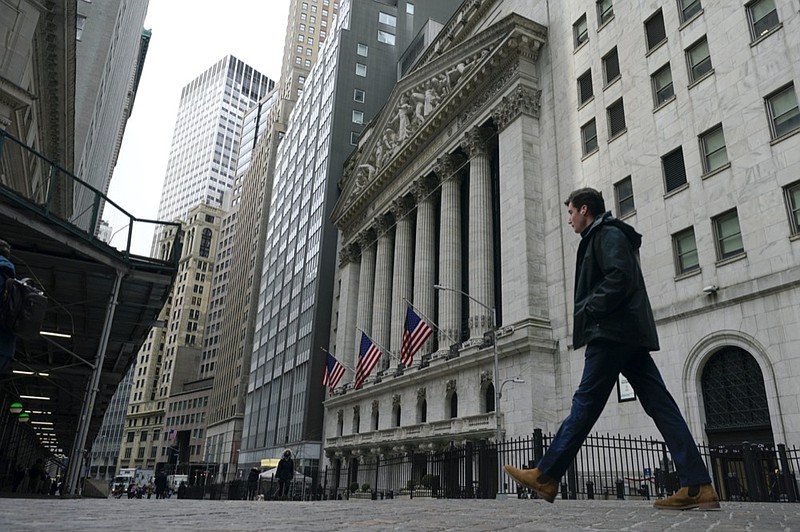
point(333, 372)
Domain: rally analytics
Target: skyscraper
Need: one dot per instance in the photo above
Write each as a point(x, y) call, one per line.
point(241, 252)
point(205, 143)
point(355, 72)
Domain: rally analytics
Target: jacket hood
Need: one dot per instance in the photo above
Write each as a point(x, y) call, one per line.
point(607, 218)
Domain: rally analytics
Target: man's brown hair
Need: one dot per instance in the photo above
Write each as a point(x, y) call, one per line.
point(590, 197)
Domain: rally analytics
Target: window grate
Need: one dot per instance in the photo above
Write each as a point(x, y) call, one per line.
point(611, 65)
point(585, 89)
point(674, 170)
point(654, 30)
point(733, 391)
point(616, 118)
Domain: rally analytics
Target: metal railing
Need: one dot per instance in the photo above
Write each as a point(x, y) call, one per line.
point(31, 180)
point(607, 466)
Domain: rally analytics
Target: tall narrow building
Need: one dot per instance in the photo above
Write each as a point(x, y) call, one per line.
point(241, 252)
point(355, 72)
point(205, 143)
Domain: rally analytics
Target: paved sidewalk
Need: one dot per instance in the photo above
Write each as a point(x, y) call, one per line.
point(420, 514)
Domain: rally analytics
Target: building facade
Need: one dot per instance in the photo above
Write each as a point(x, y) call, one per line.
point(205, 144)
point(168, 364)
point(347, 86)
point(111, 48)
point(230, 341)
point(683, 114)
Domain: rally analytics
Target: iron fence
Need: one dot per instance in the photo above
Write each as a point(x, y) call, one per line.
point(607, 466)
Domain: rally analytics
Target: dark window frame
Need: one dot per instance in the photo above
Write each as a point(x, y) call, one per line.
point(769, 22)
point(704, 148)
point(791, 194)
point(794, 113)
point(667, 92)
point(611, 59)
point(585, 82)
point(700, 69)
point(688, 9)
point(623, 197)
point(655, 34)
point(673, 181)
point(681, 267)
point(719, 238)
point(587, 141)
point(615, 114)
point(580, 37)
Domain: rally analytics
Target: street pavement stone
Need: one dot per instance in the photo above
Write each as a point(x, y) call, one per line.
point(21, 514)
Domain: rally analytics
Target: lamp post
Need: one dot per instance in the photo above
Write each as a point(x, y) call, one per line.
point(496, 378)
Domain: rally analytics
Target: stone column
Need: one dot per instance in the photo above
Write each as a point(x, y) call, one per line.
point(522, 252)
point(425, 251)
point(402, 280)
point(382, 297)
point(480, 241)
point(366, 289)
point(449, 252)
point(349, 273)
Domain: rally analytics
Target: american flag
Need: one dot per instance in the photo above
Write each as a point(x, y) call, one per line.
point(333, 372)
point(368, 356)
point(415, 333)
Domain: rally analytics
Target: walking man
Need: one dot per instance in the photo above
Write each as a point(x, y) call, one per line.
point(613, 319)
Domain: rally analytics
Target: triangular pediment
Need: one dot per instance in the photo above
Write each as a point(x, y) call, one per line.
point(427, 100)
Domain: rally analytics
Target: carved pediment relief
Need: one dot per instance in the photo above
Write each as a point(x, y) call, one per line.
point(423, 103)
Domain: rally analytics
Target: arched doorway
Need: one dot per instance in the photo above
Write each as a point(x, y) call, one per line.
point(735, 399)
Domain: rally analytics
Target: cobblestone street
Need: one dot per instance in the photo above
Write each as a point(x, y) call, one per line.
point(17, 514)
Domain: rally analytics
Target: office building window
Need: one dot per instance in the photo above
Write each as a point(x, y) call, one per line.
point(362, 49)
point(674, 170)
point(792, 195)
point(784, 115)
point(385, 37)
point(305, 6)
point(611, 66)
point(616, 119)
point(409, 8)
point(698, 59)
point(589, 137)
point(728, 235)
point(358, 117)
point(354, 138)
point(684, 247)
point(763, 17)
point(298, 61)
point(654, 30)
point(386, 18)
point(605, 11)
point(359, 95)
point(585, 89)
point(580, 31)
point(623, 194)
point(662, 85)
point(688, 9)
point(712, 147)
point(307, 63)
point(361, 70)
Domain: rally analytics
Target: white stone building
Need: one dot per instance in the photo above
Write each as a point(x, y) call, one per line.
point(683, 113)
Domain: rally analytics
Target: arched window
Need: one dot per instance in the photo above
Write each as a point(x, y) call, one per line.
point(488, 398)
point(205, 242)
point(396, 415)
point(735, 398)
point(454, 405)
point(422, 411)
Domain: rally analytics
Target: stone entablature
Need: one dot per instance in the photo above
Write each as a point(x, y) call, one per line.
point(422, 436)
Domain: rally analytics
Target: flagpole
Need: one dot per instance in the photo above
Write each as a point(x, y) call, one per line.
point(339, 361)
point(430, 321)
point(383, 349)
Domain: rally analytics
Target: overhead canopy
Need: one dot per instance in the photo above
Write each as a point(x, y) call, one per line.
point(77, 273)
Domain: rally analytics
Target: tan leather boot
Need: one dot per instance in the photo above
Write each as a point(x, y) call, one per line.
point(705, 499)
point(529, 478)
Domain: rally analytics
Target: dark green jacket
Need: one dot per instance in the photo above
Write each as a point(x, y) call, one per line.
point(611, 301)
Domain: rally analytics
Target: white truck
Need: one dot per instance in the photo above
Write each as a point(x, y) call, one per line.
point(173, 481)
point(127, 476)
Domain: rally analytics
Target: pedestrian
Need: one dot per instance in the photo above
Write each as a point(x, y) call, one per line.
point(35, 476)
point(252, 483)
point(182, 490)
point(161, 484)
point(285, 473)
point(614, 320)
point(8, 339)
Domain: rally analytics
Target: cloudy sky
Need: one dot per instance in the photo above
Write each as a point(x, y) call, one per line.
point(188, 37)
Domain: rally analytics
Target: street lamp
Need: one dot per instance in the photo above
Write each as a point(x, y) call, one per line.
point(497, 385)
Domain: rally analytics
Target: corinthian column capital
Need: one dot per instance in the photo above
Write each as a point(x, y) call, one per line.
point(522, 100)
point(476, 141)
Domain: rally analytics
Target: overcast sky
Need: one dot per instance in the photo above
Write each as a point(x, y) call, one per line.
point(189, 36)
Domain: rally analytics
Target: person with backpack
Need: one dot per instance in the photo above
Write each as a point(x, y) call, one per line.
point(8, 339)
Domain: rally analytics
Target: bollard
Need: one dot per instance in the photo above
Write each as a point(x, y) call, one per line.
point(620, 489)
point(589, 489)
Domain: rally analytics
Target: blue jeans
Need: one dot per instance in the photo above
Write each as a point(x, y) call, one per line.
point(604, 361)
